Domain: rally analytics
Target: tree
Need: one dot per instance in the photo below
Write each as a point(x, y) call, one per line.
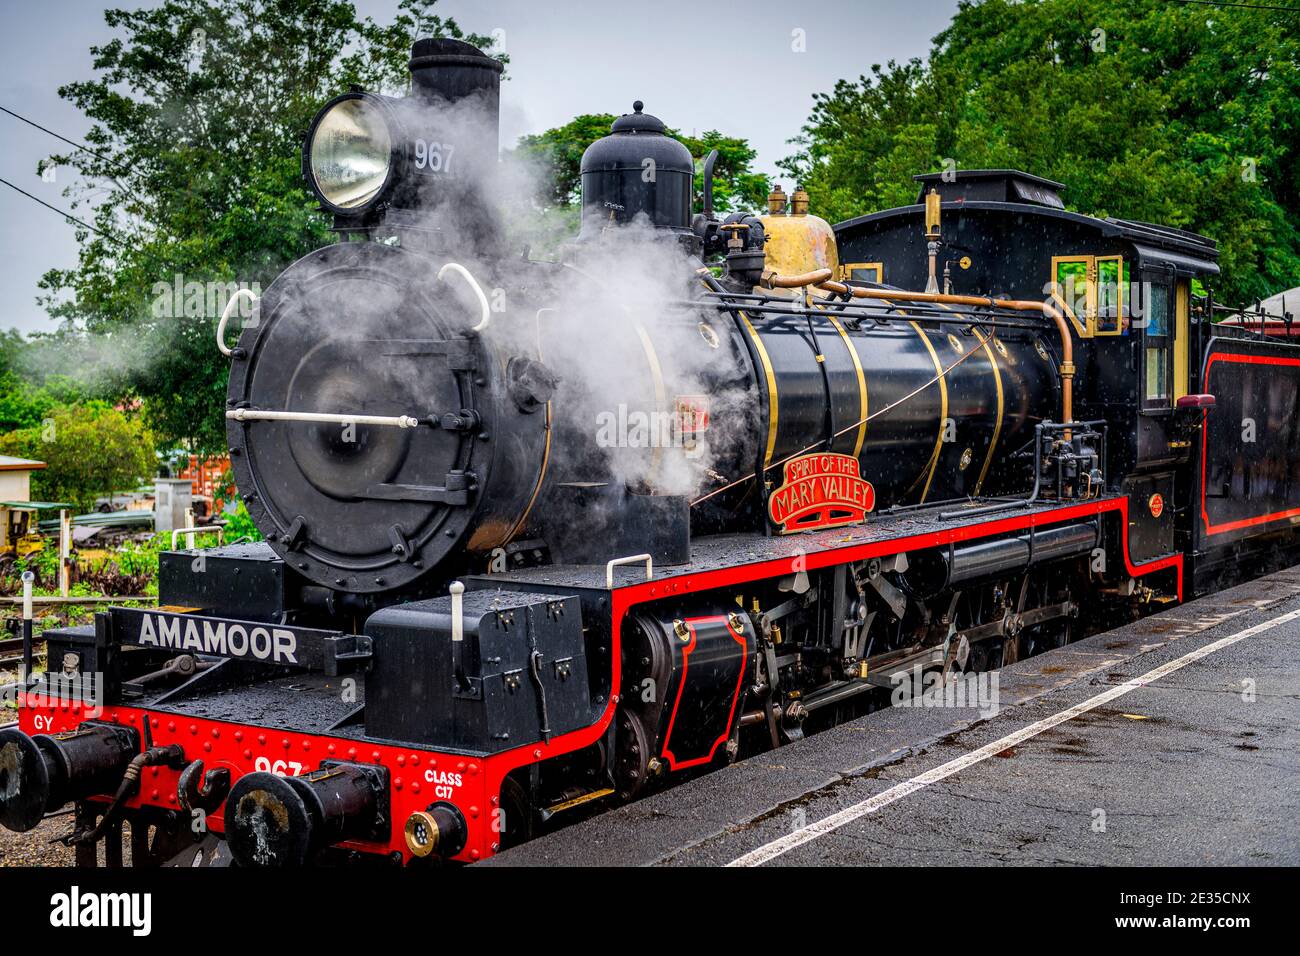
point(557, 154)
point(90, 450)
point(27, 392)
point(200, 108)
point(1184, 115)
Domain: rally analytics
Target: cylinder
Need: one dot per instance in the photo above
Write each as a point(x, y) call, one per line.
point(938, 570)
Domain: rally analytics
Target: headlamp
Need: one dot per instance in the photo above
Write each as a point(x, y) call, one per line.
point(350, 153)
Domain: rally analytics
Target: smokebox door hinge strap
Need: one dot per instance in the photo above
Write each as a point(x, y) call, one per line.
point(454, 492)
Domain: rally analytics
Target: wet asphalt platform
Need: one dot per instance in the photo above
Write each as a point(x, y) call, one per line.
point(1171, 741)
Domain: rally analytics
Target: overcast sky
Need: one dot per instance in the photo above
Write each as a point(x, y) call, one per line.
point(698, 66)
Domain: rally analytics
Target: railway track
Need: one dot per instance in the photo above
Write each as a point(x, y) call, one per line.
point(11, 650)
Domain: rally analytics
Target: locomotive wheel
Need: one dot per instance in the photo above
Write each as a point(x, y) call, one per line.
point(632, 757)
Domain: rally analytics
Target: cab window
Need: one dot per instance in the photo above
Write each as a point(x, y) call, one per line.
point(864, 272)
point(1095, 289)
point(1156, 347)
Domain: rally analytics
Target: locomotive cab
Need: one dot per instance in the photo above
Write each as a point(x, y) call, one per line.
point(1125, 287)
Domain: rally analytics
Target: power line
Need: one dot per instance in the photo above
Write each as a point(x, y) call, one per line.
point(71, 142)
point(61, 212)
point(1244, 6)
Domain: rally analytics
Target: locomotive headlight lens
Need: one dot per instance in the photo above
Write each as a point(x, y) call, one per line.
point(350, 153)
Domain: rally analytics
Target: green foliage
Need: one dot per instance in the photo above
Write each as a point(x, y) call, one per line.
point(90, 449)
point(44, 564)
point(736, 187)
point(240, 525)
point(200, 108)
point(557, 155)
point(1144, 109)
point(26, 396)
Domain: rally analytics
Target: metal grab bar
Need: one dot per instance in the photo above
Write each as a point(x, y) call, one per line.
point(254, 415)
point(193, 531)
point(227, 312)
point(485, 312)
point(630, 559)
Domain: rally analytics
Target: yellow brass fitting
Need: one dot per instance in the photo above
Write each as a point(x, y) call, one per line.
point(776, 201)
point(681, 630)
point(799, 202)
point(933, 215)
point(736, 621)
point(422, 833)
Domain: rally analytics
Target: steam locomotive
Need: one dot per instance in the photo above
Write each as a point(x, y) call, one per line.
point(542, 535)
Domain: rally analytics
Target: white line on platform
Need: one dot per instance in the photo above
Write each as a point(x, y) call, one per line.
point(770, 851)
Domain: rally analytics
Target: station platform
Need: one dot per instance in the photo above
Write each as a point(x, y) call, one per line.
point(1174, 740)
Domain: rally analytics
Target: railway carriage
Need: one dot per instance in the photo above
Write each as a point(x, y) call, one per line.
point(934, 439)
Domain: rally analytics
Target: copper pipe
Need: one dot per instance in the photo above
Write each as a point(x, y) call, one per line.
point(1018, 305)
point(817, 277)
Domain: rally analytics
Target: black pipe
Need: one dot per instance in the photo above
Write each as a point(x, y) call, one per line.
point(944, 317)
point(709, 163)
